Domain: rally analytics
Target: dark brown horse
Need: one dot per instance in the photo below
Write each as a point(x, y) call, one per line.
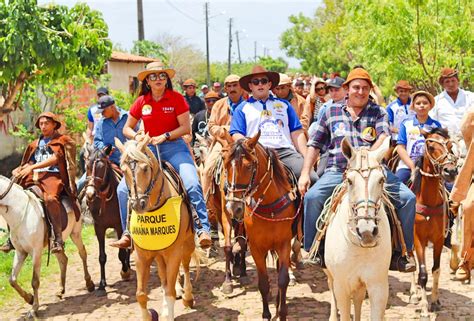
point(259, 192)
point(434, 168)
point(101, 198)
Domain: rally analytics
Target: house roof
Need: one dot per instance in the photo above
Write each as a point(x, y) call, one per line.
point(126, 57)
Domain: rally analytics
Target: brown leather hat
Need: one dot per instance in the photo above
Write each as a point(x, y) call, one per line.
point(403, 84)
point(274, 77)
point(51, 116)
point(211, 94)
point(447, 73)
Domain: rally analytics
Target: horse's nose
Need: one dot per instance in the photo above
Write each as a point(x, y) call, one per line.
point(375, 232)
point(142, 204)
point(236, 209)
point(450, 173)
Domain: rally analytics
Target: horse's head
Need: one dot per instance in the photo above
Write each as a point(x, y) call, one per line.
point(97, 165)
point(440, 151)
point(203, 146)
point(240, 170)
point(140, 169)
point(365, 178)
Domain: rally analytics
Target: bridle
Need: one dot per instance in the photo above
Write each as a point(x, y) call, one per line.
point(439, 162)
point(104, 194)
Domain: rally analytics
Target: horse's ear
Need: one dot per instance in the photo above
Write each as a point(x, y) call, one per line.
point(252, 142)
point(107, 150)
point(347, 149)
point(226, 140)
point(145, 140)
point(201, 140)
point(424, 133)
point(119, 145)
point(382, 149)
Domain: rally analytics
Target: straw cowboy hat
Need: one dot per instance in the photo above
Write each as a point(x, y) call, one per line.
point(274, 77)
point(155, 67)
point(423, 93)
point(51, 116)
point(284, 80)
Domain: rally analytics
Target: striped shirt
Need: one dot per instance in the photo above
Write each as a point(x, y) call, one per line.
point(336, 123)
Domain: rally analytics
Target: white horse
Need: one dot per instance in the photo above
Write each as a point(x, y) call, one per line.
point(23, 212)
point(358, 244)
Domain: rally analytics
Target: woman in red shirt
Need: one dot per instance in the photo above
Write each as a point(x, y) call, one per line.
point(165, 116)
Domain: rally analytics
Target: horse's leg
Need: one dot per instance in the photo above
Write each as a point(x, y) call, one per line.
point(358, 297)
point(414, 299)
point(437, 249)
point(172, 270)
point(333, 315)
point(283, 279)
point(143, 261)
point(259, 258)
point(100, 234)
point(422, 279)
point(244, 280)
point(35, 282)
point(188, 299)
point(378, 297)
point(124, 257)
point(227, 229)
point(454, 258)
point(76, 237)
point(18, 261)
point(62, 261)
point(295, 259)
point(343, 299)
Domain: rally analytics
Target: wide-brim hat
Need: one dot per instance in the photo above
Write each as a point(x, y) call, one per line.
point(403, 84)
point(284, 80)
point(156, 67)
point(274, 77)
point(447, 73)
point(51, 116)
point(231, 78)
point(211, 94)
point(422, 93)
point(358, 73)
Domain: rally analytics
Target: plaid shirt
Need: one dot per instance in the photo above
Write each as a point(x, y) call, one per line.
point(336, 123)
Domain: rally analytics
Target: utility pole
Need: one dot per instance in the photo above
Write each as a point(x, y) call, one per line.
point(229, 59)
point(255, 51)
point(206, 11)
point(238, 45)
point(141, 28)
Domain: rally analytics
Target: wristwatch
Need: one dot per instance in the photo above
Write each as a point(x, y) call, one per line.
point(167, 135)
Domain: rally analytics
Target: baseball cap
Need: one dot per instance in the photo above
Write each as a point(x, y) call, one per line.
point(104, 102)
point(336, 82)
point(102, 91)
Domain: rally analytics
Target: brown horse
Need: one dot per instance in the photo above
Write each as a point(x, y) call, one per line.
point(259, 192)
point(434, 168)
point(151, 188)
point(102, 201)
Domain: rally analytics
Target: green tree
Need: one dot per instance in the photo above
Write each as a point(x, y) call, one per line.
point(273, 64)
point(46, 44)
point(394, 39)
point(149, 49)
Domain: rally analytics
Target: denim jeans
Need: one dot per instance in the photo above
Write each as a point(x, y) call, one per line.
point(178, 155)
point(403, 175)
point(81, 183)
point(401, 197)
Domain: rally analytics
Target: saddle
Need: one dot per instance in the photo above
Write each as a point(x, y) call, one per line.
point(65, 208)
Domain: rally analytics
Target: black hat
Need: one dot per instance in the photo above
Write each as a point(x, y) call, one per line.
point(336, 82)
point(102, 91)
point(104, 102)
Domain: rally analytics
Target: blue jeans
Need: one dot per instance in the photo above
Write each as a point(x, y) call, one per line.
point(401, 196)
point(403, 175)
point(178, 155)
point(80, 183)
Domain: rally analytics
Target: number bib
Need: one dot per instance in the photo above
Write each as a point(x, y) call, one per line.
point(159, 229)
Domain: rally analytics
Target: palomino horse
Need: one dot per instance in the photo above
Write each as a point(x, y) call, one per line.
point(358, 242)
point(101, 198)
point(150, 189)
point(23, 212)
point(259, 192)
point(436, 166)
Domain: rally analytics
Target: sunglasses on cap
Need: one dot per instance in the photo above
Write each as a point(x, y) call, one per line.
point(211, 100)
point(257, 81)
point(161, 76)
point(320, 88)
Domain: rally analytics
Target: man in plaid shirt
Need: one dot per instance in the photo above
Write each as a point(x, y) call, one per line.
point(365, 124)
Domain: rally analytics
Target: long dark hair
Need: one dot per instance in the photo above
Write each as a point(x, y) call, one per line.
point(145, 88)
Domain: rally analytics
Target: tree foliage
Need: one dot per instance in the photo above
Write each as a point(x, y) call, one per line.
point(393, 39)
point(273, 64)
point(149, 49)
point(46, 44)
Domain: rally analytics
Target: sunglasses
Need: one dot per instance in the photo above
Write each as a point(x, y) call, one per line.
point(320, 88)
point(161, 76)
point(211, 100)
point(257, 81)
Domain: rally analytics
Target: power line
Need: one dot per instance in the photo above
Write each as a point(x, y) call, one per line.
point(182, 12)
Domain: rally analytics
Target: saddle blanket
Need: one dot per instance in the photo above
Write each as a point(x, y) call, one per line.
point(159, 229)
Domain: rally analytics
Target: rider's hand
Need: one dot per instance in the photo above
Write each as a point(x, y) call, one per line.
point(158, 139)
point(25, 171)
point(303, 183)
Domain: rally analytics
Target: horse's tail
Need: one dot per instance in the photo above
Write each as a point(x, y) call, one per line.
point(196, 257)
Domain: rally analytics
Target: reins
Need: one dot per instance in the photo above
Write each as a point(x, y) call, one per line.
point(12, 181)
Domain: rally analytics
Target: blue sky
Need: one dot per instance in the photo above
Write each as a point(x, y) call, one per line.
point(262, 21)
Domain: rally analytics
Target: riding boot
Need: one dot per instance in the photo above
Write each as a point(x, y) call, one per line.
point(402, 263)
point(463, 272)
point(53, 209)
point(7, 246)
point(124, 243)
point(320, 253)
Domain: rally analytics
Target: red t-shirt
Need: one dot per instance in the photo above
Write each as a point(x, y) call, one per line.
point(161, 116)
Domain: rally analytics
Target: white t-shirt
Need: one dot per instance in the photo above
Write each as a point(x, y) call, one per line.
point(450, 113)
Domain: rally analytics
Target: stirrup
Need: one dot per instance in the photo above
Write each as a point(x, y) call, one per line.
point(463, 272)
point(57, 247)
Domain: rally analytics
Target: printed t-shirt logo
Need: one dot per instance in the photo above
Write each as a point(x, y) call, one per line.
point(266, 113)
point(168, 110)
point(278, 106)
point(339, 129)
point(369, 134)
point(146, 110)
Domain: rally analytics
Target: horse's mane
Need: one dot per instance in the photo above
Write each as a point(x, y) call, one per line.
point(440, 131)
point(416, 183)
point(279, 172)
point(131, 151)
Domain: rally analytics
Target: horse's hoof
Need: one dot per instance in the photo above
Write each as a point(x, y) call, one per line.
point(60, 294)
point(227, 288)
point(125, 275)
point(29, 299)
point(292, 282)
point(425, 317)
point(179, 293)
point(90, 286)
point(236, 270)
point(244, 280)
point(100, 292)
point(414, 299)
point(154, 315)
point(188, 303)
point(435, 306)
point(32, 314)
